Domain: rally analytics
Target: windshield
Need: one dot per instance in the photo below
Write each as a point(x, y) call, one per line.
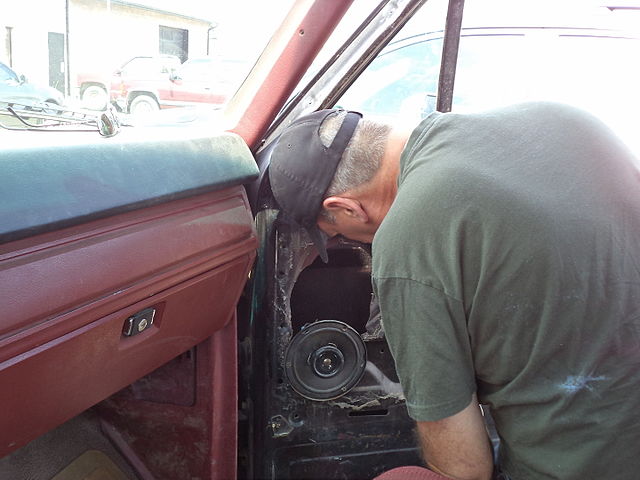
point(168, 62)
point(139, 58)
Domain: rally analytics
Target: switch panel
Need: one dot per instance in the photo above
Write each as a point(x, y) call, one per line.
point(138, 322)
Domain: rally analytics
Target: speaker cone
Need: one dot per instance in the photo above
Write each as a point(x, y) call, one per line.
point(325, 360)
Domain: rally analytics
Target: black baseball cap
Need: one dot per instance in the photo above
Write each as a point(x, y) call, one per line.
point(302, 169)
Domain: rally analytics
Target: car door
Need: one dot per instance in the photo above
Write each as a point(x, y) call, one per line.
point(152, 72)
point(325, 426)
point(192, 83)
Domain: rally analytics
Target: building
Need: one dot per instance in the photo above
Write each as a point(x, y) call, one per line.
point(46, 40)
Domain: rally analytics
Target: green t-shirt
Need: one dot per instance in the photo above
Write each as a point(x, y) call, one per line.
point(509, 265)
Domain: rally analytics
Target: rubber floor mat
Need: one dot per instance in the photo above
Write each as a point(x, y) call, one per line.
point(91, 465)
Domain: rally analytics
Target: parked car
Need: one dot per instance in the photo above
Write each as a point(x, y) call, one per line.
point(154, 303)
point(197, 81)
point(96, 89)
point(16, 88)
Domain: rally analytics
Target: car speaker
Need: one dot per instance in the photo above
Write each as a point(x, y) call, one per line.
point(325, 360)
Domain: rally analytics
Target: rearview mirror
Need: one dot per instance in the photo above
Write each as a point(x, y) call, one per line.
point(108, 123)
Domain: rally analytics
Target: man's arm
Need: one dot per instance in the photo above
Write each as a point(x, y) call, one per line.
point(458, 446)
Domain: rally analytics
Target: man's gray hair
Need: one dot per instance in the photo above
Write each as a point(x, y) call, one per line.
point(360, 160)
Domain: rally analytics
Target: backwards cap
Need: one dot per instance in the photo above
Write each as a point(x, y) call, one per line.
point(302, 169)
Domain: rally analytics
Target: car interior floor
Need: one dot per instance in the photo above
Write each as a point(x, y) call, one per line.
point(77, 449)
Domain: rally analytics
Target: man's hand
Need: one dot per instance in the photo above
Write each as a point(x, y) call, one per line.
point(458, 446)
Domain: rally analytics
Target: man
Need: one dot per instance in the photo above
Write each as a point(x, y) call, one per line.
point(506, 260)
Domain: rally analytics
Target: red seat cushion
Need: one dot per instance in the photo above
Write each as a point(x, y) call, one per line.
point(410, 473)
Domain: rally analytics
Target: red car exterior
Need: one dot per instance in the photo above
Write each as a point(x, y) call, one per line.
point(96, 88)
point(196, 81)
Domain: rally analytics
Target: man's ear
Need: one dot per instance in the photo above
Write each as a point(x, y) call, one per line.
point(348, 207)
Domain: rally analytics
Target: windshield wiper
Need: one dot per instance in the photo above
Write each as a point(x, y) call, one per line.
point(55, 118)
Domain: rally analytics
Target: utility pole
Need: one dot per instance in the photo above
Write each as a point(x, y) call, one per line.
point(67, 72)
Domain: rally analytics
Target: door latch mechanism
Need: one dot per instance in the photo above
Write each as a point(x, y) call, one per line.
point(138, 322)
